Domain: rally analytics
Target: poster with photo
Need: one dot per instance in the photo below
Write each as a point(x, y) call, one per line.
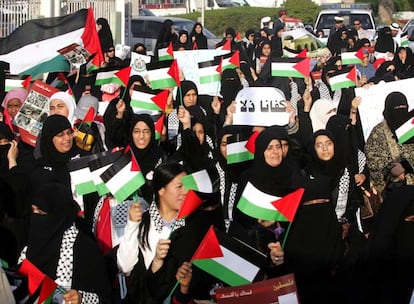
point(35, 109)
point(76, 55)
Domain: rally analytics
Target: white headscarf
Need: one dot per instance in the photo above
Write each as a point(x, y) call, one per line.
point(70, 103)
point(321, 111)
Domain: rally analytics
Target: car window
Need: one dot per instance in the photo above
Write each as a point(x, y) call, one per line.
point(153, 29)
point(328, 20)
point(137, 28)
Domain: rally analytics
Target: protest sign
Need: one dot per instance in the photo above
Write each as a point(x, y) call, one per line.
point(260, 106)
point(373, 101)
point(280, 290)
point(35, 109)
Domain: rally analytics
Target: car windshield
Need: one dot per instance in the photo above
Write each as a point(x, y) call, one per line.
point(188, 26)
point(328, 20)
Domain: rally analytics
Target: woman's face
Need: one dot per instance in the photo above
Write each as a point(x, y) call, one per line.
point(324, 147)
point(13, 106)
point(183, 38)
point(402, 54)
point(58, 106)
point(131, 88)
point(223, 145)
point(266, 50)
point(198, 29)
point(141, 135)
point(190, 98)
point(273, 153)
point(63, 141)
point(173, 194)
point(198, 129)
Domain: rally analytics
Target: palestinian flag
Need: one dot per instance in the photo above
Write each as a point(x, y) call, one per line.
point(166, 53)
point(124, 177)
point(202, 181)
point(228, 61)
point(288, 205)
point(46, 292)
point(226, 46)
point(236, 149)
point(80, 174)
point(208, 73)
point(251, 142)
point(32, 48)
point(105, 76)
point(291, 67)
point(159, 125)
point(158, 75)
point(406, 131)
point(352, 57)
point(142, 100)
point(291, 53)
point(124, 74)
point(191, 203)
point(228, 259)
point(98, 166)
point(404, 41)
point(34, 275)
point(11, 84)
point(345, 78)
point(257, 204)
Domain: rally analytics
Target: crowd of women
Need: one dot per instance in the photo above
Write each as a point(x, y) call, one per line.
point(336, 255)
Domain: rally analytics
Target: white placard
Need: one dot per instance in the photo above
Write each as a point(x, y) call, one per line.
point(373, 101)
point(260, 106)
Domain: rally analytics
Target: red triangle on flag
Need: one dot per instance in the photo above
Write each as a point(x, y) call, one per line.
point(170, 50)
point(378, 62)
point(124, 75)
point(303, 67)
point(48, 287)
point(360, 54)
point(134, 163)
point(235, 58)
point(161, 99)
point(34, 275)
point(227, 45)
point(209, 247)
point(288, 205)
point(352, 75)
point(195, 47)
point(219, 68)
point(251, 142)
point(238, 37)
point(159, 125)
point(302, 54)
point(90, 39)
point(174, 72)
point(26, 82)
point(89, 116)
point(191, 203)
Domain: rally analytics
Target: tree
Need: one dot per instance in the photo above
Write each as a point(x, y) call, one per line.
point(386, 11)
point(306, 10)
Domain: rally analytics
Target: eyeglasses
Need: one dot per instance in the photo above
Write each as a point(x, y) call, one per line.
point(145, 132)
point(357, 23)
point(111, 50)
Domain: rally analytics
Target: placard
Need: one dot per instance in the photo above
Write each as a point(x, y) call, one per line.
point(35, 109)
point(373, 101)
point(76, 55)
point(281, 290)
point(260, 106)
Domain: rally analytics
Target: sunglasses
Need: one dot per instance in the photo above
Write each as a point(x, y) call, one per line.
point(357, 23)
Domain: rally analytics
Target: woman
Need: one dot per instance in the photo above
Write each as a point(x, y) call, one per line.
point(146, 241)
point(391, 166)
point(313, 257)
point(404, 63)
point(265, 50)
point(166, 36)
point(60, 250)
point(105, 34)
point(183, 43)
point(14, 100)
point(63, 104)
point(145, 149)
point(197, 37)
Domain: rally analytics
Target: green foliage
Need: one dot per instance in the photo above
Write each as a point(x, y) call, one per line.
point(243, 18)
point(306, 10)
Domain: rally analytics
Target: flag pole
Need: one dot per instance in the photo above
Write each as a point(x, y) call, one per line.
point(286, 234)
point(167, 300)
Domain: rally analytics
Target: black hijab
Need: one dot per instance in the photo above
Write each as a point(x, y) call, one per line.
point(272, 180)
point(53, 125)
point(186, 85)
point(5, 133)
point(230, 86)
point(396, 110)
point(148, 156)
point(46, 231)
